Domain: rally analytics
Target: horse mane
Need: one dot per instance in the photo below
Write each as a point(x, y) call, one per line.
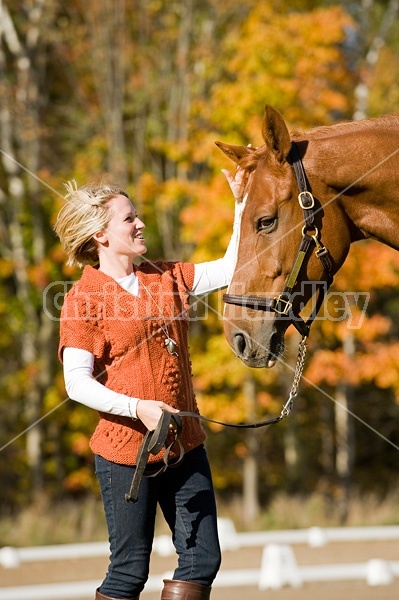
point(346, 127)
point(250, 161)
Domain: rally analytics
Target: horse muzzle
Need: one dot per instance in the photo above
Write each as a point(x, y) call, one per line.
point(259, 350)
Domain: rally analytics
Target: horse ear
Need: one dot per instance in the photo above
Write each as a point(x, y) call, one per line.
point(236, 153)
point(275, 133)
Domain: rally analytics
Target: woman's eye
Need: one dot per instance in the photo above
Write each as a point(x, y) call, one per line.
point(266, 224)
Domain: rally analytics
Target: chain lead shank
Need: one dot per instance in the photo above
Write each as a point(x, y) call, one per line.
point(300, 363)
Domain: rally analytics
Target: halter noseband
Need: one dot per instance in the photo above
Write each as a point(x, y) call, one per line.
point(281, 305)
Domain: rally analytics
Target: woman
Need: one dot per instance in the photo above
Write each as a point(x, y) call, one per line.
point(124, 347)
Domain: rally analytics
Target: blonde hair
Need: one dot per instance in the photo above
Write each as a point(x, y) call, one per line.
point(86, 212)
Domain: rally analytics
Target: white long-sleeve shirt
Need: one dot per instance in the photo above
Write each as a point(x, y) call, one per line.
point(78, 364)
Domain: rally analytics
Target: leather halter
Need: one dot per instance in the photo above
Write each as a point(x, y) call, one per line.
point(281, 305)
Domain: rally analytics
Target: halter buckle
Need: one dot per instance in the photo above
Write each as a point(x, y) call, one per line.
point(287, 305)
point(306, 200)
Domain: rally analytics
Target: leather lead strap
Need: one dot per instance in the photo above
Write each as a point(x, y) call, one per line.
point(153, 442)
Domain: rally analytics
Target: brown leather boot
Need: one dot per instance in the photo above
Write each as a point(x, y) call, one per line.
point(174, 589)
point(100, 596)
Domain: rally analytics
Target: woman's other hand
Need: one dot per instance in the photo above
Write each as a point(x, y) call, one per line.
point(150, 411)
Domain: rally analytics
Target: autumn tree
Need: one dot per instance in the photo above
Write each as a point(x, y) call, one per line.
point(24, 217)
point(140, 91)
point(259, 66)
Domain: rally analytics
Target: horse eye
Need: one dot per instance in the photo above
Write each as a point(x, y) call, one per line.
point(266, 224)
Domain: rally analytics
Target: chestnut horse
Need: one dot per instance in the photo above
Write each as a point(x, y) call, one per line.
point(307, 197)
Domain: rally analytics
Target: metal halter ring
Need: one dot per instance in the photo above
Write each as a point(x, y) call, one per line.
point(315, 236)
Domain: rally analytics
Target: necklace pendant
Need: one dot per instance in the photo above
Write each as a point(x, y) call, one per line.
point(171, 346)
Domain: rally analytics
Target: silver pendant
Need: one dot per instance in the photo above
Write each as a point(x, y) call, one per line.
point(171, 346)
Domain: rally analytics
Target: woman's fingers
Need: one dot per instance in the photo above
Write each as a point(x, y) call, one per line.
point(236, 182)
point(150, 411)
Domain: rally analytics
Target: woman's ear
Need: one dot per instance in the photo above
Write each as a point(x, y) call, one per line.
point(100, 237)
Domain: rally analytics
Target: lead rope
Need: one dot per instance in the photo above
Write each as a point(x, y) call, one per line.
point(286, 410)
point(171, 423)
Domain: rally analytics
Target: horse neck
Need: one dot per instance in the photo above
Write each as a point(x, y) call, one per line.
point(358, 170)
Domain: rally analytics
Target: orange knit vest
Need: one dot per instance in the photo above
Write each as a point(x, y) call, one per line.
point(125, 334)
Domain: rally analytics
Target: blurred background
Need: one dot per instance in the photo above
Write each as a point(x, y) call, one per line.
point(138, 91)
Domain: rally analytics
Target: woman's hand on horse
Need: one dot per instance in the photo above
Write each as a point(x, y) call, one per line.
point(236, 182)
point(150, 411)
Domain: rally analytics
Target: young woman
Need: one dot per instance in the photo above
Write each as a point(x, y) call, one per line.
point(124, 348)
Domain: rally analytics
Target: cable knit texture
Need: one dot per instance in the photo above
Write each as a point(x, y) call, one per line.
point(125, 334)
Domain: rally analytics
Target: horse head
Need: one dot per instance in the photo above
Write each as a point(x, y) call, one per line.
point(272, 230)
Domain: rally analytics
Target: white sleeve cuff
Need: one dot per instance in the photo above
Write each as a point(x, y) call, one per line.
point(132, 403)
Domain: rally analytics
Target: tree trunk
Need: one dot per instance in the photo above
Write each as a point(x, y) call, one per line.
point(251, 461)
point(371, 52)
point(177, 127)
point(20, 144)
point(106, 27)
point(344, 434)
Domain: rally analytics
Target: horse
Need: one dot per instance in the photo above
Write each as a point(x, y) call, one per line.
point(319, 190)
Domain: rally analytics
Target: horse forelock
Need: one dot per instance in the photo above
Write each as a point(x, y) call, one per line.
point(250, 161)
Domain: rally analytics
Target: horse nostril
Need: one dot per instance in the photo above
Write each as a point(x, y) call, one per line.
point(239, 343)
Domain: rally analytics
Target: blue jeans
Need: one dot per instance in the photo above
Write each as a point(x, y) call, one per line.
point(186, 497)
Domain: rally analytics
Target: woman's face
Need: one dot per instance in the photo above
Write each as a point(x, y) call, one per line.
point(124, 232)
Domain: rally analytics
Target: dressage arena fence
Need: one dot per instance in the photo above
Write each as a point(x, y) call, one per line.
point(278, 565)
